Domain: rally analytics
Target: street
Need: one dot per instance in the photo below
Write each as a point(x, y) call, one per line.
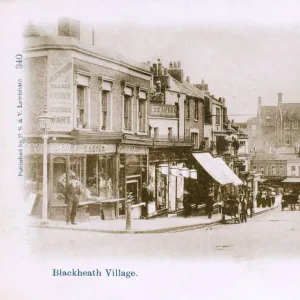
point(271, 235)
point(262, 254)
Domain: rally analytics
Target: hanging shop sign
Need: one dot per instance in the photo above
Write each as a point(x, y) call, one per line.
point(163, 111)
point(60, 90)
point(65, 148)
point(129, 149)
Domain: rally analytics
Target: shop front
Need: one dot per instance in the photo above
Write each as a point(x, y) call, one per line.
point(93, 164)
point(133, 177)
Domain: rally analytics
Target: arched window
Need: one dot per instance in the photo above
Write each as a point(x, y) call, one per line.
point(294, 123)
point(287, 138)
point(286, 123)
point(294, 138)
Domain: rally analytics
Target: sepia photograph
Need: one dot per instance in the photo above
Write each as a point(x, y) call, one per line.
point(152, 150)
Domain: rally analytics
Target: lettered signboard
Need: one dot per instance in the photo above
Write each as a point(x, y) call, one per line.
point(60, 89)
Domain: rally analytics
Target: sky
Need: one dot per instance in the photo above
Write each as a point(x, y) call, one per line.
point(242, 49)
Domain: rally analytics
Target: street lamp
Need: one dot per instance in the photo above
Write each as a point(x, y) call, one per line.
point(45, 122)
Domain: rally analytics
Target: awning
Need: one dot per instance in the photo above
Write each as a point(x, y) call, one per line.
point(228, 171)
point(212, 167)
point(292, 179)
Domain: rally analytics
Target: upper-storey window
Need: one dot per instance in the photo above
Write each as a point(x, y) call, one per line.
point(286, 123)
point(83, 102)
point(218, 116)
point(106, 106)
point(127, 108)
point(294, 123)
point(142, 111)
point(196, 111)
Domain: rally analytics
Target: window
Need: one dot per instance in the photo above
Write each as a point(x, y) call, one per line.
point(142, 112)
point(106, 106)
point(273, 170)
point(194, 137)
point(287, 138)
point(196, 111)
point(156, 133)
point(127, 112)
point(293, 170)
point(104, 109)
point(286, 123)
point(295, 123)
point(281, 170)
point(254, 168)
point(81, 107)
point(294, 138)
point(187, 107)
point(262, 170)
point(299, 171)
point(217, 115)
point(170, 133)
point(242, 143)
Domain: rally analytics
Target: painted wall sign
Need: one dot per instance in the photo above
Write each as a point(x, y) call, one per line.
point(65, 148)
point(128, 149)
point(60, 90)
point(163, 110)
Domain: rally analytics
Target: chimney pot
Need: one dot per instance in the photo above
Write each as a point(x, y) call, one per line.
point(171, 65)
point(175, 65)
point(159, 68)
point(179, 65)
point(202, 81)
point(188, 79)
point(280, 97)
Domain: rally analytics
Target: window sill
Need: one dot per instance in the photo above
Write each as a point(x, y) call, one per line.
point(196, 120)
point(127, 131)
point(142, 133)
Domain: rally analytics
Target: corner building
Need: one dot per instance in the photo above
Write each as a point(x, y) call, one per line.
point(99, 105)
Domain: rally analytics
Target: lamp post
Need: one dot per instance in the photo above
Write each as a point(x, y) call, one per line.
point(45, 122)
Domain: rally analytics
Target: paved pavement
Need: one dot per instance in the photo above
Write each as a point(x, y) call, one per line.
point(159, 225)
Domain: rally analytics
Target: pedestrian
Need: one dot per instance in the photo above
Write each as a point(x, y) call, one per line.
point(273, 194)
point(210, 203)
point(145, 199)
point(264, 199)
point(258, 199)
point(73, 192)
point(186, 204)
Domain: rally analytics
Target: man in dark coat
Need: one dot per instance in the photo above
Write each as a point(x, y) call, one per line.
point(72, 199)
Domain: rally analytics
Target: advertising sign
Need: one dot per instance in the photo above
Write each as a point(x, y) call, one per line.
point(60, 90)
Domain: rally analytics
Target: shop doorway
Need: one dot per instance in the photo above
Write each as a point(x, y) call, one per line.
point(133, 186)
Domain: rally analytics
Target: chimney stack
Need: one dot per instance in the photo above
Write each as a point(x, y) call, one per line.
point(171, 65)
point(166, 71)
point(69, 27)
point(206, 87)
point(175, 65)
point(179, 65)
point(159, 67)
point(154, 69)
point(259, 101)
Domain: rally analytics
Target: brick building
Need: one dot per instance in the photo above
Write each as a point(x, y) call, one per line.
point(99, 104)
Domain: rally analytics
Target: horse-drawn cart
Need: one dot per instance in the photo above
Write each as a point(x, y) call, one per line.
point(289, 199)
point(231, 208)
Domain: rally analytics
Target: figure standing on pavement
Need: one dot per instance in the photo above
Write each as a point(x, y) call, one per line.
point(73, 192)
point(210, 203)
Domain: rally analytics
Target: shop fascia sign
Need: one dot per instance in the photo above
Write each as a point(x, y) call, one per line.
point(64, 148)
point(163, 111)
point(128, 149)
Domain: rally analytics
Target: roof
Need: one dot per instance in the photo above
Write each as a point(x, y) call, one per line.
point(291, 109)
point(268, 115)
point(185, 88)
point(288, 156)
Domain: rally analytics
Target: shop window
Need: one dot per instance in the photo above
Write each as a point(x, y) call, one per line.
point(195, 140)
point(128, 112)
point(273, 170)
point(142, 115)
point(196, 111)
point(33, 175)
point(100, 176)
point(294, 123)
